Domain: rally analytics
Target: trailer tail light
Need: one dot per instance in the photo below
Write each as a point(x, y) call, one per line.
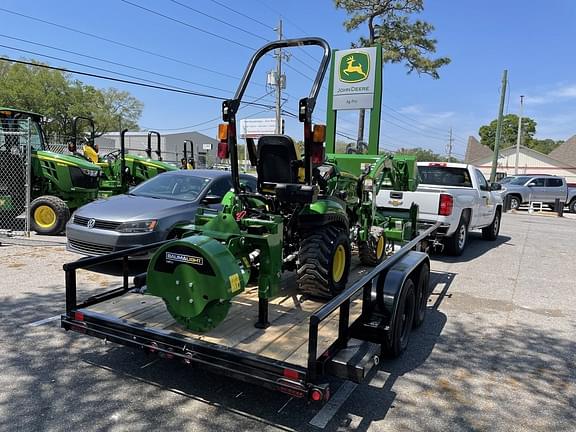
point(223, 150)
point(316, 395)
point(317, 153)
point(446, 205)
point(292, 374)
point(78, 316)
point(222, 131)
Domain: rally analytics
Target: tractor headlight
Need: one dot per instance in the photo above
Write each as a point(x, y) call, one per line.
point(138, 226)
point(89, 172)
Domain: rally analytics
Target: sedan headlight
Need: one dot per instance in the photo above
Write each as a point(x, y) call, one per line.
point(90, 172)
point(138, 226)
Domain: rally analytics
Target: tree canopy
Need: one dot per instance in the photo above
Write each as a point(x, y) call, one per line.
point(509, 134)
point(424, 155)
point(390, 24)
point(60, 98)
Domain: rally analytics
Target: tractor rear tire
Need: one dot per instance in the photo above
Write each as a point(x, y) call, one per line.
point(48, 215)
point(324, 262)
point(372, 251)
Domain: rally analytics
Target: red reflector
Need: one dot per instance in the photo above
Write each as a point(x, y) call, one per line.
point(223, 150)
point(446, 205)
point(78, 316)
point(316, 395)
point(317, 154)
point(289, 373)
point(241, 215)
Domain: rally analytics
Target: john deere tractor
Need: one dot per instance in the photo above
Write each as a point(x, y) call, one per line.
point(60, 183)
point(120, 170)
point(302, 217)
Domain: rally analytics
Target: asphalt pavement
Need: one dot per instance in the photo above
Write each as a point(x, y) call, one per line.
point(497, 352)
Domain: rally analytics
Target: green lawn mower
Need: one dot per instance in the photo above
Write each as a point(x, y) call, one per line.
point(303, 218)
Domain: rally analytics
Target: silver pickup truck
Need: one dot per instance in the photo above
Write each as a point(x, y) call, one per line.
point(535, 188)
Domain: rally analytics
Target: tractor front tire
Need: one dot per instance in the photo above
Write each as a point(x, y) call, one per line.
point(372, 251)
point(324, 262)
point(48, 215)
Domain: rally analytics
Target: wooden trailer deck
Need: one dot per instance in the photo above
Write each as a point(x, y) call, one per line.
point(285, 340)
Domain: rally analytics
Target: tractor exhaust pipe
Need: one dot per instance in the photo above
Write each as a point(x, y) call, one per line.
point(149, 147)
point(123, 160)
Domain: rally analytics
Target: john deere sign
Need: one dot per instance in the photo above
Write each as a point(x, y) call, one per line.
point(354, 78)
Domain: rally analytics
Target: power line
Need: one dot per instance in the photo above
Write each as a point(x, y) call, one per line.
point(108, 78)
point(219, 20)
point(243, 15)
point(122, 44)
point(426, 133)
point(232, 41)
point(412, 119)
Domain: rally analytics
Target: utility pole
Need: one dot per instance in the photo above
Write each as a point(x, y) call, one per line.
point(449, 150)
point(499, 126)
point(519, 138)
point(279, 81)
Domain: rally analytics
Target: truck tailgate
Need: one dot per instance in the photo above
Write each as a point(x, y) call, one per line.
point(428, 201)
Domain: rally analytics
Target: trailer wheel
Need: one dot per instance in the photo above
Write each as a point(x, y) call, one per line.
point(403, 322)
point(48, 215)
point(422, 294)
point(324, 262)
point(372, 250)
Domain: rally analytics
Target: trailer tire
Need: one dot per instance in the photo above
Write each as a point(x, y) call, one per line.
point(456, 243)
point(422, 294)
point(324, 262)
point(491, 231)
point(372, 251)
point(48, 215)
point(403, 321)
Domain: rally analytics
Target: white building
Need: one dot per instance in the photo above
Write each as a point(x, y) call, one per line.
point(560, 162)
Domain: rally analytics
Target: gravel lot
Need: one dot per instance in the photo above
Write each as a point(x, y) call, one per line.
point(498, 352)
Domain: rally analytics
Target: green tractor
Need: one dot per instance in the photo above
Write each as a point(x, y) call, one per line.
point(120, 170)
point(302, 218)
point(60, 183)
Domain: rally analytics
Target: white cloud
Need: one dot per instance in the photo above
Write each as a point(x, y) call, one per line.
point(560, 93)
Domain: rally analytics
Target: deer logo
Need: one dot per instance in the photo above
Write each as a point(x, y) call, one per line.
point(354, 67)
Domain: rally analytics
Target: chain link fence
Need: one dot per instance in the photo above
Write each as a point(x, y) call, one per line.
point(15, 176)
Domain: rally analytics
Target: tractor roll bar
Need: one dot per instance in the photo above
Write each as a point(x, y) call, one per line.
point(75, 130)
point(123, 160)
point(149, 148)
point(286, 43)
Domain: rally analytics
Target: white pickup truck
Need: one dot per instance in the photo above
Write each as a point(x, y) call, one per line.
point(456, 195)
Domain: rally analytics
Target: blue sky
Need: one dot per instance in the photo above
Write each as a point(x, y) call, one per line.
point(533, 40)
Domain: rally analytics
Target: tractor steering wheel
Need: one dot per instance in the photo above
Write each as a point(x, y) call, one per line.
point(111, 156)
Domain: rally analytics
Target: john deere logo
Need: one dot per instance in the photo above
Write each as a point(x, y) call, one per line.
point(354, 67)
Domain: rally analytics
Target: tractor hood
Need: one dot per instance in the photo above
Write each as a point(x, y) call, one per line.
point(67, 160)
point(152, 163)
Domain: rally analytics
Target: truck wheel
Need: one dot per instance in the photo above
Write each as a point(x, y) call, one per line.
point(456, 243)
point(572, 206)
point(402, 325)
point(372, 251)
point(48, 215)
point(514, 202)
point(422, 294)
point(491, 231)
point(324, 262)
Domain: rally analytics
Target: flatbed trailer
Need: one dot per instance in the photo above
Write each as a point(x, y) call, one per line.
point(307, 340)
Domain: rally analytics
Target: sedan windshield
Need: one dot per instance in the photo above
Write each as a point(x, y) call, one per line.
point(520, 180)
point(177, 187)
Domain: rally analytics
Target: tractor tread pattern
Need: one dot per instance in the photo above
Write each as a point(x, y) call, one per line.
point(60, 208)
point(314, 257)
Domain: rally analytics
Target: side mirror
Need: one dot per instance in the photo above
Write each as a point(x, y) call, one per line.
point(211, 199)
point(495, 186)
point(531, 184)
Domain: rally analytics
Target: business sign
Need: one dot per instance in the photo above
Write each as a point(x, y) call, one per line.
point(206, 146)
point(354, 76)
point(255, 128)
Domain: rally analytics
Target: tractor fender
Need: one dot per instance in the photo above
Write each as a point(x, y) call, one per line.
point(388, 292)
point(323, 212)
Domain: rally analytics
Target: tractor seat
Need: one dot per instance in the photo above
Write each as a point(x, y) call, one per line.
point(277, 160)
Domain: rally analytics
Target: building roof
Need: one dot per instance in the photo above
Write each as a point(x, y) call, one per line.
point(476, 151)
point(566, 152)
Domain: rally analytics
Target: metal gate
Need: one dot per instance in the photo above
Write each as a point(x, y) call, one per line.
point(15, 176)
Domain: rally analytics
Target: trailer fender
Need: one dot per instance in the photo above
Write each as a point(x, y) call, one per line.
point(388, 292)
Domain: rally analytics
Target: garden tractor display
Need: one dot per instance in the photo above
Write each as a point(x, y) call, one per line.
point(120, 170)
point(60, 183)
point(302, 217)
